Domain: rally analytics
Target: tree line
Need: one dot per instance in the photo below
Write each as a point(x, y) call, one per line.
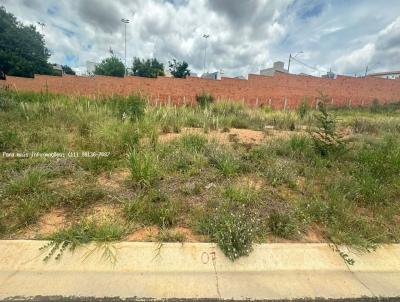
point(149, 68)
point(23, 53)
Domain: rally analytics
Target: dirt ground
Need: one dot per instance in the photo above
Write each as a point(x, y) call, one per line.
point(243, 136)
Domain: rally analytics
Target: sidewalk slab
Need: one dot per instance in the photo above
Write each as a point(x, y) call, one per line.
point(139, 270)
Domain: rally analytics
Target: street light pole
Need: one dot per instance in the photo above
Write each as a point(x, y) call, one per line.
point(42, 25)
point(125, 21)
point(205, 36)
point(292, 57)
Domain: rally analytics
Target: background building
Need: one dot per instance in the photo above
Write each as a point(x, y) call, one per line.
point(212, 75)
point(278, 66)
point(386, 75)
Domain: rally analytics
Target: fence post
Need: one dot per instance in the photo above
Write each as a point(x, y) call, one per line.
point(257, 102)
point(169, 100)
point(332, 101)
point(269, 102)
point(285, 103)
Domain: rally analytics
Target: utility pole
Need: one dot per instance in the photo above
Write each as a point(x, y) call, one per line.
point(205, 36)
point(292, 57)
point(366, 71)
point(125, 21)
point(288, 66)
point(42, 25)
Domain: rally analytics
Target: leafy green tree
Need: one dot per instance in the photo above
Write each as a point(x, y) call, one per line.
point(179, 69)
point(149, 68)
point(22, 48)
point(68, 70)
point(111, 66)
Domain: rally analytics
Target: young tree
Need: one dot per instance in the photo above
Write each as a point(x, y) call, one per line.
point(149, 68)
point(111, 66)
point(68, 70)
point(179, 69)
point(22, 48)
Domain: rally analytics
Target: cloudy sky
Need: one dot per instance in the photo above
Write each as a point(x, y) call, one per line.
point(245, 35)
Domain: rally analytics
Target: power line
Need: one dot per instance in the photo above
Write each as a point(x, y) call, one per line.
point(309, 66)
point(325, 71)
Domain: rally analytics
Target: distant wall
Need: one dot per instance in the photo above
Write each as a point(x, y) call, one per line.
point(258, 90)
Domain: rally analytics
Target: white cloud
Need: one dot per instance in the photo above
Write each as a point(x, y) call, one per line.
point(244, 35)
point(355, 59)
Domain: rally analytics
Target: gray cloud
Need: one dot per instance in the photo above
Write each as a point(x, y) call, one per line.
point(101, 14)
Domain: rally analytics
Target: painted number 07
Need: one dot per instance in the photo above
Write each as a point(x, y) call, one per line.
point(205, 257)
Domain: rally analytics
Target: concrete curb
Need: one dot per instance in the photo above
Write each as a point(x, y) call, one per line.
point(197, 271)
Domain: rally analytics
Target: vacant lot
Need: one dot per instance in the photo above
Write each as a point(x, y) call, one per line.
point(118, 169)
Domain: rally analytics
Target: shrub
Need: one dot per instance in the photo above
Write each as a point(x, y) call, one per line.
point(375, 106)
point(327, 140)
point(133, 107)
point(234, 231)
point(204, 100)
point(303, 109)
point(240, 123)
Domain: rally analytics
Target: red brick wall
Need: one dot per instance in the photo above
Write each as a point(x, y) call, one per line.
point(257, 90)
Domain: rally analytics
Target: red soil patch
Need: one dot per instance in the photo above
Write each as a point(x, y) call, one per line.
point(47, 224)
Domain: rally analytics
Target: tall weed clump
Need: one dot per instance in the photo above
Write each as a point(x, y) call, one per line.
point(144, 166)
point(132, 107)
point(204, 100)
point(303, 109)
point(377, 171)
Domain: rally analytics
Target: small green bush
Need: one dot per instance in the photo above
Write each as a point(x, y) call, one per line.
point(327, 140)
point(133, 107)
point(204, 100)
point(234, 231)
point(303, 109)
